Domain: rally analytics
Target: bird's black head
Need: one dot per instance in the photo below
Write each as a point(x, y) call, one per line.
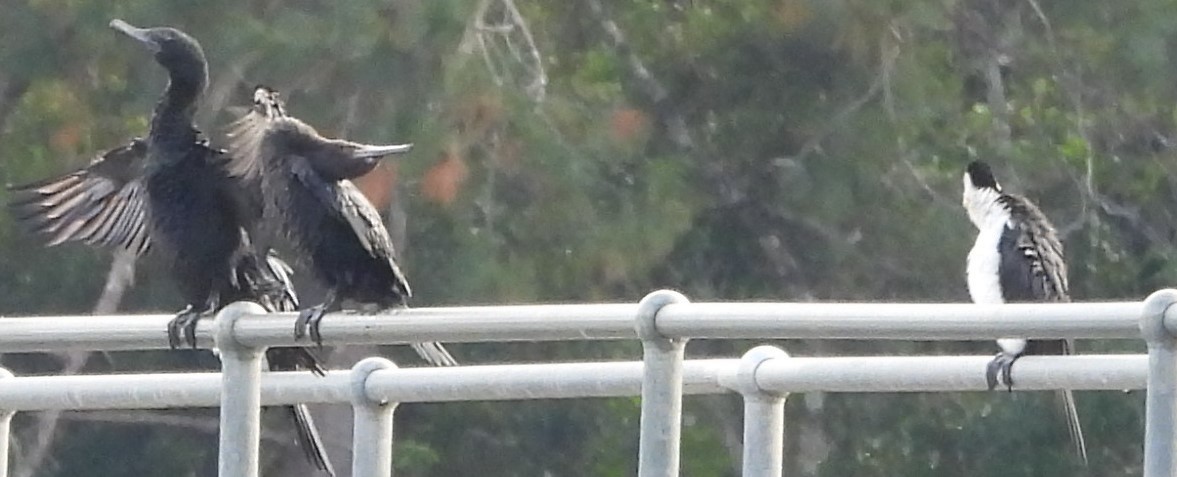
point(351, 158)
point(981, 176)
point(982, 193)
point(177, 52)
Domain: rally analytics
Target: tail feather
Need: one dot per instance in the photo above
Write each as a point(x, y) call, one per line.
point(434, 353)
point(269, 283)
point(309, 440)
point(1067, 398)
point(1071, 412)
point(294, 359)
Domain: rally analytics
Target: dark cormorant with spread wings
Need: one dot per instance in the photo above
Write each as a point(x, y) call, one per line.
point(171, 194)
point(307, 192)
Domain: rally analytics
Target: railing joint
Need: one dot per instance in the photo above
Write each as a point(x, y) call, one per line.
point(372, 430)
point(241, 371)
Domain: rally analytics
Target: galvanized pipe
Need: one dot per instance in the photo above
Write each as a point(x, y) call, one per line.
point(764, 415)
point(901, 321)
point(889, 374)
point(859, 374)
point(241, 371)
point(665, 321)
point(536, 381)
point(662, 382)
point(868, 321)
point(873, 321)
point(372, 430)
point(1161, 406)
point(5, 429)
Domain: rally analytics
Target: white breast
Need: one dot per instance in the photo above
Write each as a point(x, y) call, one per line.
point(984, 262)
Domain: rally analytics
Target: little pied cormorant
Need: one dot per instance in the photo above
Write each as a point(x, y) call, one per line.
point(1017, 258)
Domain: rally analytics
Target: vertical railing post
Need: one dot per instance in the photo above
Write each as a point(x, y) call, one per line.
point(241, 372)
point(764, 416)
point(661, 420)
point(5, 425)
point(1161, 405)
point(372, 431)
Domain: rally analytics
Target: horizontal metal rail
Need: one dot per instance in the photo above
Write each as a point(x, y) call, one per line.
point(867, 374)
point(664, 321)
point(866, 321)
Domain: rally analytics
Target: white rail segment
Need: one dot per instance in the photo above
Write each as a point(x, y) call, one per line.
point(662, 382)
point(663, 321)
point(950, 373)
point(874, 321)
point(1160, 431)
point(241, 371)
point(764, 415)
point(372, 428)
point(864, 374)
point(5, 426)
point(903, 321)
point(864, 321)
point(534, 381)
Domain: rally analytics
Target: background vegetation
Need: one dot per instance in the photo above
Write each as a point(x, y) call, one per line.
point(787, 150)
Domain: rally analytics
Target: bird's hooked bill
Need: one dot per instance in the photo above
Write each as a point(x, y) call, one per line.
point(132, 31)
point(369, 151)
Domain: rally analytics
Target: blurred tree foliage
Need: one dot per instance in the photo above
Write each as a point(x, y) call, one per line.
point(785, 150)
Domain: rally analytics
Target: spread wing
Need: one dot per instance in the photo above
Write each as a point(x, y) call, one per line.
point(102, 204)
point(1032, 266)
point(247, 134)
point(265, 130)
point(349, 205)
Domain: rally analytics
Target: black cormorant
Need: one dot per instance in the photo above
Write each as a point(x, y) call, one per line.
point(1017, 258)
point(171, 194)
point(307, 192)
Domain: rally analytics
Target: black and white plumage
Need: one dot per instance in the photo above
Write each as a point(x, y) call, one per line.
point(171, 195)
point(308, 195)
point(1017, 257)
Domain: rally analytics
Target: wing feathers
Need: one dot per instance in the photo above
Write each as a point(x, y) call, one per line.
point(1034, 269)
point(101, 204)
point(266, 136)
point(349, 204)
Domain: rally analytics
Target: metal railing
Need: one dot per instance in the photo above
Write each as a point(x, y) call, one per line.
point(663, 321)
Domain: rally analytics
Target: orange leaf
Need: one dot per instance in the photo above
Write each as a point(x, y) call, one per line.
point(444, 180)
point(627, 123)
point(66, 138)
point(793, 14)
point(378, 184)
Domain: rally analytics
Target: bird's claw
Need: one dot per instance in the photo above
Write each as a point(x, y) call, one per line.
point(182, 328)
point(1001, 366)
point(174, 332)
point(308, 321)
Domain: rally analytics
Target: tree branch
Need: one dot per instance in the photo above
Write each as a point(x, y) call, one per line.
point(120, 277)
point(876, 86)
point(491, 38)
point(650, 87)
